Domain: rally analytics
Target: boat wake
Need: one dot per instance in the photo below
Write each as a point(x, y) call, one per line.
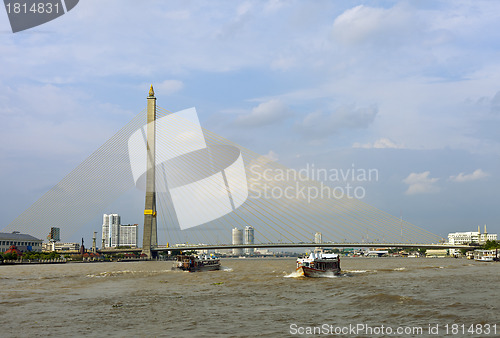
point(297, 274)
point(125, 272)
point(294, 274)
point(223, 268)
point(357, 271)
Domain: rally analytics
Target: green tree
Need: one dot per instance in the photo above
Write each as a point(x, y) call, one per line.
point(52, 255)
point(11, 256)
point(489, 245)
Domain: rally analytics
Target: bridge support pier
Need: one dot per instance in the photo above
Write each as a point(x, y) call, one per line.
point(149, 239)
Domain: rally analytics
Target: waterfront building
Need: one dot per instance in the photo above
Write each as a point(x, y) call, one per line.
point(111, 230)
point(128, 235)
point(114, 230)
point(13, 250)
point(22, 242)
point(318, 238)
point(223, 252)
point(249, 238)
point(470, 237)
point(237, 240)
point(55, 246)
point(55, 234)
point(116, 234)
point(105, 231)
point(437, 252)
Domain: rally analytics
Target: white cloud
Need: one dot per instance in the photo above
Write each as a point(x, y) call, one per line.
point(379, 144)
point(362, 24)
point(264, 114)
point(476, 175)
point(421, 183)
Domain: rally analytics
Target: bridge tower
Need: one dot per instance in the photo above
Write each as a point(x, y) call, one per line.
point(149, 239)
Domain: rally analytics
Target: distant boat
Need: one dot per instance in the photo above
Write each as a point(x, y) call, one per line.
point(485, 255)
point(193, 263)
point(319, 265)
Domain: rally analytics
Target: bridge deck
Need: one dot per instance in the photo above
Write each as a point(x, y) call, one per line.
point(294, 245)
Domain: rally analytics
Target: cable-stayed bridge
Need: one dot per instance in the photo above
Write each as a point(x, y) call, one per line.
point(201, 186)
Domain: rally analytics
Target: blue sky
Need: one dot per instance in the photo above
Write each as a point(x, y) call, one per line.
point(409, 88)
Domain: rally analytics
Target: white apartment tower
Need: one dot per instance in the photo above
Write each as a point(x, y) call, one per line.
point(115, 234)
point(129, 235)
point(318, 239)
point(237, 240)
point(114, 230)
point(105, 231)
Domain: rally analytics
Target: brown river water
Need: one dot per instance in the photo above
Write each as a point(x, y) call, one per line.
point(252, 298)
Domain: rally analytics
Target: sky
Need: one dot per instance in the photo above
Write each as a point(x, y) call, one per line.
point(409, 88)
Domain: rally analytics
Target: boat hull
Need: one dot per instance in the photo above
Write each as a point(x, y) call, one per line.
point(312, 272)
point(199, 268)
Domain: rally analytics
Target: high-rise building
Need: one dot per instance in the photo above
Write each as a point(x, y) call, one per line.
point(114, 230)
point(111, 230)
point(55, 234)
point(105, 231)
point(129, 235)
point(318, 238)
point(237, 240)
point(249, 238)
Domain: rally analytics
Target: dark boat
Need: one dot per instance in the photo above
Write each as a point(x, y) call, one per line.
point(319, 265)
point(193, 263)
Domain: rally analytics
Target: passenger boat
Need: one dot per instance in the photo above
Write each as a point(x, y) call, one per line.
point(194, 263)
point(485, 255)
point(319, 265)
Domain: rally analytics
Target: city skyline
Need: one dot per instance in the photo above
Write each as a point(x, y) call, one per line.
point(408, 89)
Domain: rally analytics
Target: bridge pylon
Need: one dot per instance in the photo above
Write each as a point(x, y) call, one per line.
point(149, 239)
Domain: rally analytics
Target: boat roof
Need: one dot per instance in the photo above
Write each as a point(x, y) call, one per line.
point(321, 255)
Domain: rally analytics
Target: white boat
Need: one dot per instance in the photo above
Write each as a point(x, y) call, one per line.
point(319, 265)
point(485, 255)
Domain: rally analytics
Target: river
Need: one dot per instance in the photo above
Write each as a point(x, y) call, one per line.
point(252, 297)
